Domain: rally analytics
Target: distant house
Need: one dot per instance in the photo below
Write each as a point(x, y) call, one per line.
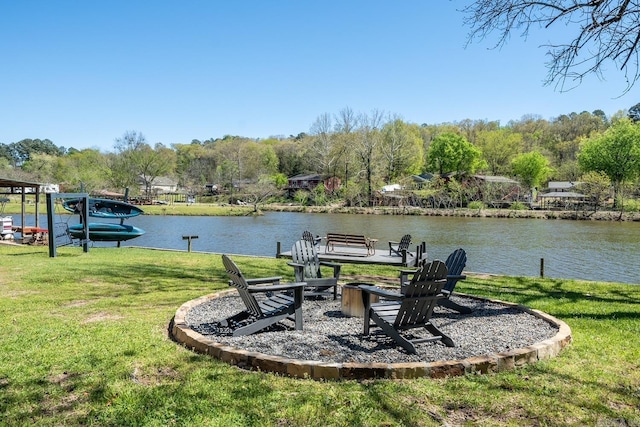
point(422, 179)
point(311, 181)
point(303, 182)
point(159, 185)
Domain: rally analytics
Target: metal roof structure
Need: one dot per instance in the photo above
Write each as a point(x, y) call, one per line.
point(8, 186)
point(13, 183)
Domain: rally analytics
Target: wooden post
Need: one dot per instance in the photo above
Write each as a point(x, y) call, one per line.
point(542, 268)
point(189, 238)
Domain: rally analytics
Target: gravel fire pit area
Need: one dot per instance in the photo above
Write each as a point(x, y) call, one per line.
point(495, 336)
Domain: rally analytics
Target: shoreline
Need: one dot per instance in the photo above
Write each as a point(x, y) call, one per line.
point(214, 209)
point(462, 212)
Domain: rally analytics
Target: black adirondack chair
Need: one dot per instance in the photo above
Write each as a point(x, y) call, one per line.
point(402, 245)
point(306, 235)
point(307, 268)
point(455, 263)
point(413, 309)
point(272, 308)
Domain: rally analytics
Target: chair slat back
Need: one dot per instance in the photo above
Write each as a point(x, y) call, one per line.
point(421, 294)
point(237, 279)
point(455, 263)
point(405, 241)
point(306, 235)
point(304, 252)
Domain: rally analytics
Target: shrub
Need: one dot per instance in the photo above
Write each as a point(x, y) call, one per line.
point(518, 206)
point(477, 204)
point(301, 197)
point(630, 205)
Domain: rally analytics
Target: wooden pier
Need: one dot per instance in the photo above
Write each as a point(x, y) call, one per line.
point(359, 256)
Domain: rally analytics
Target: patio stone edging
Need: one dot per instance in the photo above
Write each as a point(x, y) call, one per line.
point(317, 370)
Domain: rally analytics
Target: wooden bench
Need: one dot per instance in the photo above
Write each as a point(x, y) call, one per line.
point(355, 240)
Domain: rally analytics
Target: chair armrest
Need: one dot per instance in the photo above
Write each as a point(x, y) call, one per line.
point(391, 243)
point(259, 280)
point(276, 288)
point(336, 267)
point(456, 277)
point(370, 289)
point(407, 272)
point(330, 264)
point(295, 264)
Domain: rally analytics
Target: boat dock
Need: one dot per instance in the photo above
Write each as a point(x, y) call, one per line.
point(357, 255)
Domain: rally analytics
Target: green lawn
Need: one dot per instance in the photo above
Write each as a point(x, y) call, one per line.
point(201, 209)
point(84, 342)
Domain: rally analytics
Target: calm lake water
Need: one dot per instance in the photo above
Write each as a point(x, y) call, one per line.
point(602, 251)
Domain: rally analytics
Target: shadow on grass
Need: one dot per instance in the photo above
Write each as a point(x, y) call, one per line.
point(526, 290)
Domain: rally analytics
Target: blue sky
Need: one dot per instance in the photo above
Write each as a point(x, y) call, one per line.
point(82, 73)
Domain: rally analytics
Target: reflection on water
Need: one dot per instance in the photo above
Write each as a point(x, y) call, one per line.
point(590, 250)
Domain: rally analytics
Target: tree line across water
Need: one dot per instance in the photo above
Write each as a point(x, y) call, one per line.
point(364, 151)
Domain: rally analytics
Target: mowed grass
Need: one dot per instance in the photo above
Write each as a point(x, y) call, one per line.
point(84, 342)
point(199, 209)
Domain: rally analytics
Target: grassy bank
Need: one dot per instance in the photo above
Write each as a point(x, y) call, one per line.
point(85, 342)
point(198, 209)
point(204, 209)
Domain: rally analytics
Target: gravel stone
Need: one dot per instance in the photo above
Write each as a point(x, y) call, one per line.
point(331, 337)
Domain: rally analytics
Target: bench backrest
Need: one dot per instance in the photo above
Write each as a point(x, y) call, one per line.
point(347, 238)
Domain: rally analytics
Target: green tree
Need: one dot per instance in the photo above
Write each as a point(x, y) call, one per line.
point(136, 160)
point(616, 152)
point(291, 158)
point(597, 186)
point(22, 151)
point(87, 168)
point(499, 147)
point(257, 159)
point(279, 180)
point(450, 152)
point(195, 164)
point(532, 168)
point(40, 166)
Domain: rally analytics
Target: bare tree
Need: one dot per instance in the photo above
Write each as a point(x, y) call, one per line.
point(606, 31)
point(366, 144)
point(345, 125)
point(323, 141)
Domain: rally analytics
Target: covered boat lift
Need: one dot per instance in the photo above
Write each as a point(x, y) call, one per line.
point(562, 199)
point(24, 188)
